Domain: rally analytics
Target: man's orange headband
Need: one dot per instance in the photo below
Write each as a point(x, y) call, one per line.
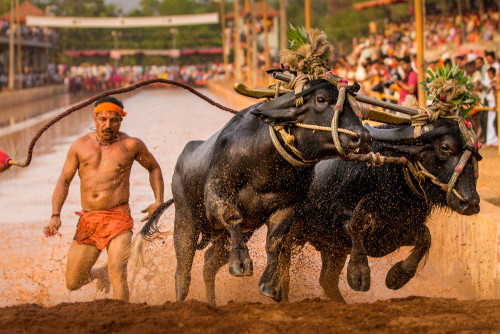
point(108, 106)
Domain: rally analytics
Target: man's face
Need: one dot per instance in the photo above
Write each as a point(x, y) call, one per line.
point(479, 63)
point(405, 66)
point(107, 125)
point(490, 59)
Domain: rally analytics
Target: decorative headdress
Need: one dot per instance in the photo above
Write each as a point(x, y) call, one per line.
point(309, 52)
point(449, 89)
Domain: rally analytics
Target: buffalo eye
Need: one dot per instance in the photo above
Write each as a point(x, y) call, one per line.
point(321, 99)
point(445, 148)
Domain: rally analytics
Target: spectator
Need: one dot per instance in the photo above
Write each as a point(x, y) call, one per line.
point(408, 86)
point(491, 61)
point(490, 100)
point(480, 67)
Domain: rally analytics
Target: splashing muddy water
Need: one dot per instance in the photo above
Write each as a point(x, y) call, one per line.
point(165, 119)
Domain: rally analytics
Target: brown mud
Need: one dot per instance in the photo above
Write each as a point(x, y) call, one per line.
point(408, 315)
point(32, 267)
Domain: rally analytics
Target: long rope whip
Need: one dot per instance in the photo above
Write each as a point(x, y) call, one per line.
point(107, 93)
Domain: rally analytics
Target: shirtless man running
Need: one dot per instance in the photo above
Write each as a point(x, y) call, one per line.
point(103, 160)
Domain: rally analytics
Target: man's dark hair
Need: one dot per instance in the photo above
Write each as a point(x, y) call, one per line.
point(472, 63)
point(490, 53)
point(405, 59)
point(492, 70)
point(111, 99)
point(447, 61)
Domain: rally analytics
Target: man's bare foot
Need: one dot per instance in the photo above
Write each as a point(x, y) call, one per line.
point(102, 279)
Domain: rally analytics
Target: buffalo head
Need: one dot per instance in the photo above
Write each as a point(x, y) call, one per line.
point(439, 150)
point(320, 97)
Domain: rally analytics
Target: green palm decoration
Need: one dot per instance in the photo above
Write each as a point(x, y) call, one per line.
point(297, 37)
point(451, 85)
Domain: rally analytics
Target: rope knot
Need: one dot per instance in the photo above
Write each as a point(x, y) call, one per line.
point(471, 146)
point(343, 83)
point(297, 84)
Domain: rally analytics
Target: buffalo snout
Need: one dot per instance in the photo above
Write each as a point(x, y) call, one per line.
point(362, 141)
point(470, 205)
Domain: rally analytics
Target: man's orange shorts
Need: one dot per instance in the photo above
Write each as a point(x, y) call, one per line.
point(99, 227)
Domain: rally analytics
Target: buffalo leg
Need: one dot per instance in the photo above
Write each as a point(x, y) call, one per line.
point(215, 257)
point(221, 209)
point(331, 267)
point(240, 263)
point(358, 271)
point(278, 228)
point(403, 271)
point(185, 237)
point(284, 261)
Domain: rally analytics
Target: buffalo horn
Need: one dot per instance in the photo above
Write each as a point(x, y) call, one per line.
point(407, 133)
point(257, 93)
point(396, 134)
point(284, 101)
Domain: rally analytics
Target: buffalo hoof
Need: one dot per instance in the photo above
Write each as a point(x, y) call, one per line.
point(267, 291)
point(358, 276)
point(241, 269)
point(248, 268)
point(397, 277)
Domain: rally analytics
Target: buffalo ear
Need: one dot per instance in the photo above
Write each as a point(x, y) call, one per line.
point(277, 117)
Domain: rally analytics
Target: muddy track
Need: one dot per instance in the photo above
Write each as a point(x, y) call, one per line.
point(408, 315)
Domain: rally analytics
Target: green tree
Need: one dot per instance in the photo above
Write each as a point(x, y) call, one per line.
point(149, 7)
point(4, 6)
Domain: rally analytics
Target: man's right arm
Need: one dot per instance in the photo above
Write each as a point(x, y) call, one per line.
point(62, 188)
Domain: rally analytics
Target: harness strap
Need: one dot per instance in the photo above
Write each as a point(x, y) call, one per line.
point(448, 187)
point(325, 128)
point(341, 87)
point(334, 129)
point(281, 150)
point(414, 189)
point(470, 138)
point(458, 170)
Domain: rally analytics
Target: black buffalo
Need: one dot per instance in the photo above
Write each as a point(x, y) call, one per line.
point(355, 209)
point(228, 186)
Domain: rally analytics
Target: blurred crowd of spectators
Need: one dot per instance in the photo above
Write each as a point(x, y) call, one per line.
point(90, 78)
point(30, 78)
point(94, 78)
point(385, 63)
point(36, 34)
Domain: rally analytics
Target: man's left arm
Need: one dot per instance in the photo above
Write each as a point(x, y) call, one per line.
point(148, 161)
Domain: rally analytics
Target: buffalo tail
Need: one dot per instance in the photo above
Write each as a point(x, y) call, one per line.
point(147, 232)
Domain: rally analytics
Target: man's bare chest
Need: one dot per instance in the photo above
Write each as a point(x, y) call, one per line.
point(106, 159)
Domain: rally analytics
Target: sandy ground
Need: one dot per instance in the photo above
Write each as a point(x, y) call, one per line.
point(32, 266)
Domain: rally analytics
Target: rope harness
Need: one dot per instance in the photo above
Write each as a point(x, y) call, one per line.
point(419, 172)
point(298, 84)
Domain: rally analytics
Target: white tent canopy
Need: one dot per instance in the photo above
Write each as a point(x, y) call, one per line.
point(121, 22)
